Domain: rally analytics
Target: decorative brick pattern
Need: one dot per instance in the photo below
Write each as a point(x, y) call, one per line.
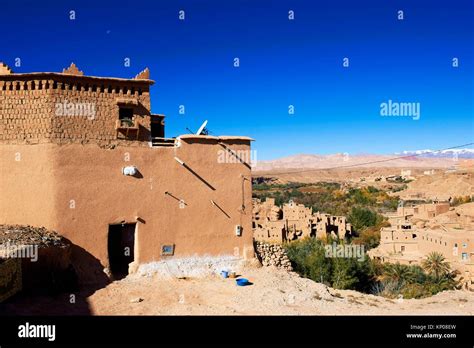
point(65, 108)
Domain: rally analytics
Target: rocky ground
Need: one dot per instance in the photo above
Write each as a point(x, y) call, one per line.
point(273, 292)
point(29, 235)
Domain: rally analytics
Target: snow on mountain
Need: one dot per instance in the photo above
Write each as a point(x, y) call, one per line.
point(459, 153)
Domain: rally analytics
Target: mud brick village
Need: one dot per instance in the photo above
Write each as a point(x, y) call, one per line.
point(94, 192)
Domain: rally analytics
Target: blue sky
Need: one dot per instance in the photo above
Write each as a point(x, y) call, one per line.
point(282, 63)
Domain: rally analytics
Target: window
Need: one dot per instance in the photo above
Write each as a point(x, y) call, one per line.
point(464, 256)
point(464, 245)
point(402, 248)
point(126, 117)
point(125, 114)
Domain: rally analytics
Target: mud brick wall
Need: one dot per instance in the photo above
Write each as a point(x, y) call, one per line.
point(29, 111)
point(25, 113)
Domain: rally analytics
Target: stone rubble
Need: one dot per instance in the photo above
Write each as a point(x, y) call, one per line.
point(29, 235)
point(273, 255)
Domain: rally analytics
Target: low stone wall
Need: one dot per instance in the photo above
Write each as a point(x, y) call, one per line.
point(272, 255)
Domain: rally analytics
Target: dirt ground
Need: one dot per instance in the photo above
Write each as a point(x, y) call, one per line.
point(273, 292)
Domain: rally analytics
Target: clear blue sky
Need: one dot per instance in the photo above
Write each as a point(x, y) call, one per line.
point(282, 62)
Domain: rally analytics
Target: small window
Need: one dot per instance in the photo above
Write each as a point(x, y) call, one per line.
point(464, 245)
point(125, 114)
point(167, 250)
point(402, 248)
point(464, 256)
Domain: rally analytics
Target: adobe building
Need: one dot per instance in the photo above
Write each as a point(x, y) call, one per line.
point(423, 211)
point(86, 157)
point(294, 221)
point(417, 231)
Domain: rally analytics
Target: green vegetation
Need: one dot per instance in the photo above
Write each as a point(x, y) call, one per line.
point(281, 192)
point(308, 257)
point(413, 281)
point(326, 197)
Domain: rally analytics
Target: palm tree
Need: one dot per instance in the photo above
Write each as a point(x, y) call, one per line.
point(436, 264)
point(398, 273)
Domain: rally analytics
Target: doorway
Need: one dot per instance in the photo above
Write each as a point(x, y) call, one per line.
point(121, 244)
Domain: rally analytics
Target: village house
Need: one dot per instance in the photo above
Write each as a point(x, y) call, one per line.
point(294, 221)
point(86, 157)
point(416, 231)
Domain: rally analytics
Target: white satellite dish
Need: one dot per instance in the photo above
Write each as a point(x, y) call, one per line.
point(202, 128)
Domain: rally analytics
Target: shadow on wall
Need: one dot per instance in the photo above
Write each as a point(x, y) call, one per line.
point(50, 290)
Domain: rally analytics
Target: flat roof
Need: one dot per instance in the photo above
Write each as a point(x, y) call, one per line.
point(211, 137)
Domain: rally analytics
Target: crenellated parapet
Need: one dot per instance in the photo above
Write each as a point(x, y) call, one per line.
point(71, 107)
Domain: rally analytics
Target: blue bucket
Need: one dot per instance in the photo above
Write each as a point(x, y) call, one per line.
point(225, 274)
point(242, 281)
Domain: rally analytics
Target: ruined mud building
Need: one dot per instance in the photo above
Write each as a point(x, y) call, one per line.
point(86, 157)
point(294, 221)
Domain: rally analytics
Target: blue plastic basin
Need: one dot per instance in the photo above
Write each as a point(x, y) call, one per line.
point(242, 281)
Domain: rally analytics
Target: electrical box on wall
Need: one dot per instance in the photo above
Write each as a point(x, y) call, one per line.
point(167, 250)
point(238, 230)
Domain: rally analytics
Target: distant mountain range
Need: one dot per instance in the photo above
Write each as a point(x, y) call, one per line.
point(452, 153)
point(407, 159)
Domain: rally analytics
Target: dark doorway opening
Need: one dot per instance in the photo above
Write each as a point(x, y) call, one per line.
point(121, 243)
